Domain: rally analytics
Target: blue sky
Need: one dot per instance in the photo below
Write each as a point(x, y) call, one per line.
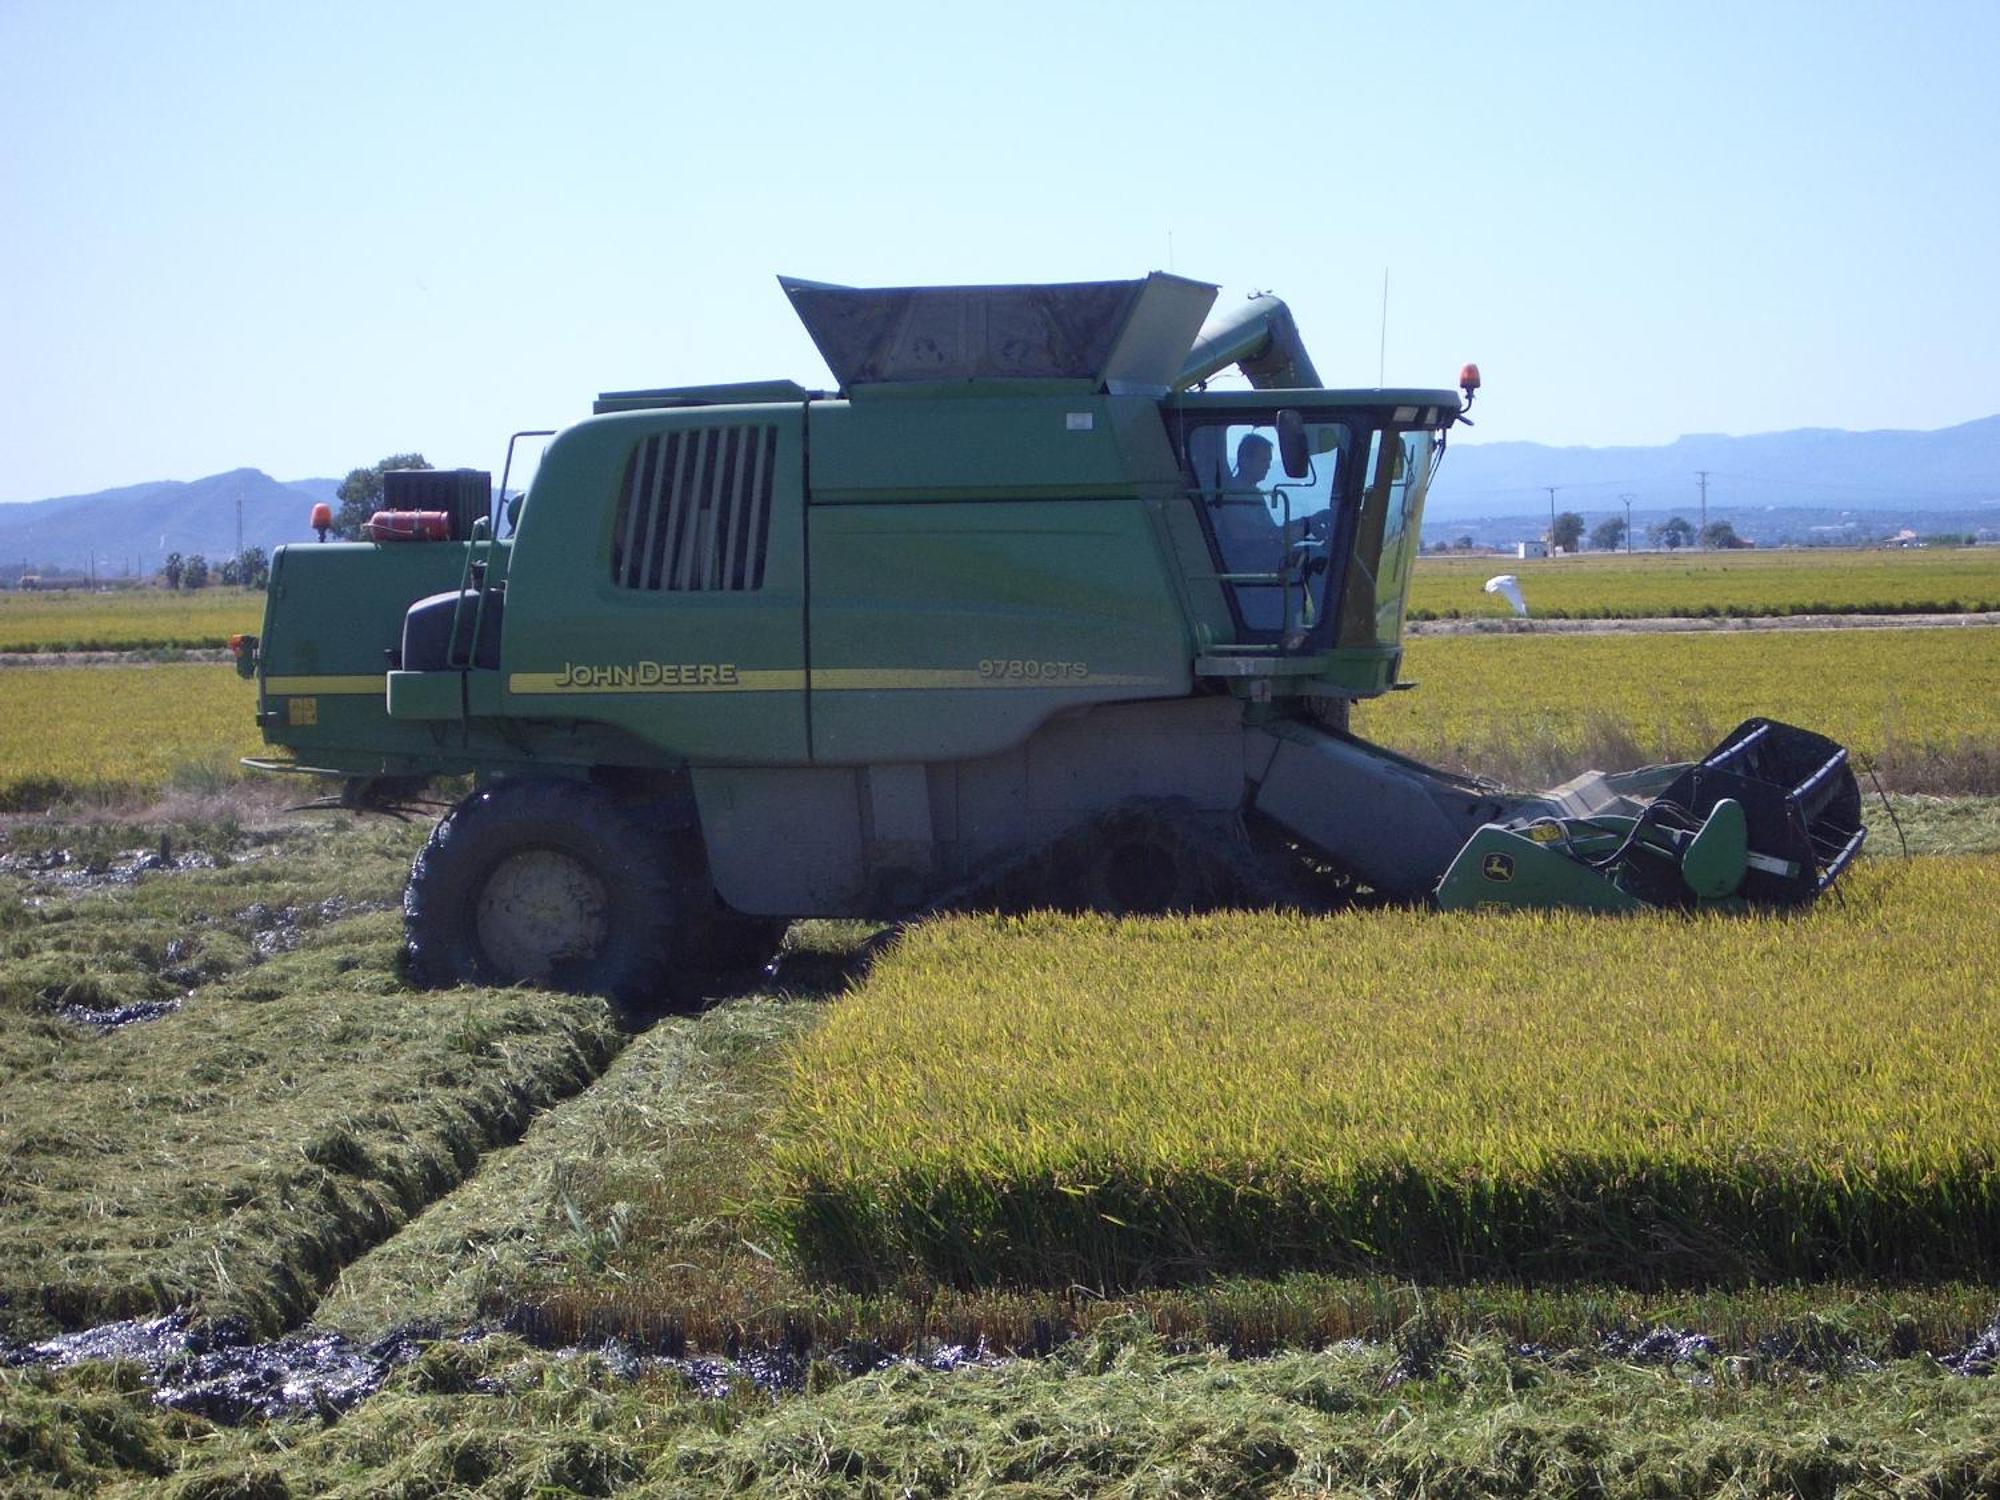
point(301, 237)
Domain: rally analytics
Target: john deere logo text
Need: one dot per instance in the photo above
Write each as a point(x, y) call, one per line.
point(647, 674)
point(1497, 867)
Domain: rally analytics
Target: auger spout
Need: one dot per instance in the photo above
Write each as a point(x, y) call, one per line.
point(1261, 337)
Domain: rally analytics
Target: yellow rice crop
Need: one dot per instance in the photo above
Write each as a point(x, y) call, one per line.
point(109, 731)
point(134, 619)
point(1933, 580)
point(1925, 704)
point(1654, 1099)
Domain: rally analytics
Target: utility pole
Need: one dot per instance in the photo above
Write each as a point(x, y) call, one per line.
point(1552, 488)
point(1628, 523)
point(1701, 537)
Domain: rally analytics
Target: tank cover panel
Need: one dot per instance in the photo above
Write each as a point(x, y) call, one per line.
point(1121, 336)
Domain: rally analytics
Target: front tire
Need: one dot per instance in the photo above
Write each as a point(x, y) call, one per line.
point(548, 883)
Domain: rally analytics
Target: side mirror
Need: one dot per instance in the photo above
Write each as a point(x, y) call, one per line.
point(1292, 444)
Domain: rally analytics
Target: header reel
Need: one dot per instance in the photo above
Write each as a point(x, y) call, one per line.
point(1770, 817)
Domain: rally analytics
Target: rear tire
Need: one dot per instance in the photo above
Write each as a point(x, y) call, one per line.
point(548, 883)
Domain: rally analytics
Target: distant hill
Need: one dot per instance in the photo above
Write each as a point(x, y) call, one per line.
point(137, 526)
point(1953, 469)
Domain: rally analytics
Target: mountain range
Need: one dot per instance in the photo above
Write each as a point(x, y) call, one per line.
point(131, 530)
point(1811, 483)
point(1949, 469)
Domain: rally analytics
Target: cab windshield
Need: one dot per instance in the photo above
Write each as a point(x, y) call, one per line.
point(1386, 538)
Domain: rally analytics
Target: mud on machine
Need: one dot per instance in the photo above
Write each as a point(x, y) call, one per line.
point(1022, 606)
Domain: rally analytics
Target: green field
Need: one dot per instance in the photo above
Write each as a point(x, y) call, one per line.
point(1657, 1099)
point(1923, 705)
point(115, 733)
point(1925, 581)
point(1943, 580)
point(128, 620)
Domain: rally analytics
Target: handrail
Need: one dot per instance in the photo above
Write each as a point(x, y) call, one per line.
point(486, 531)
point(482, 531)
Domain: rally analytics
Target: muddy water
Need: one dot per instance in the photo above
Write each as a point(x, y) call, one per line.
point(105, 1020)
point(51, 874)
point(280, 929)
point(216, 1370)
point(64, 870)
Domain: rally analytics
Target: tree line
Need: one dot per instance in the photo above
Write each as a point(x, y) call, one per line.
point(1672, 534)
point(249, 569)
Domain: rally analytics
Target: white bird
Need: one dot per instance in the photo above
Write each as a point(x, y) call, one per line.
point(1508, 587)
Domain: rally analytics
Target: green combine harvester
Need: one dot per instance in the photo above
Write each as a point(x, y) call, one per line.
point(1023, 603)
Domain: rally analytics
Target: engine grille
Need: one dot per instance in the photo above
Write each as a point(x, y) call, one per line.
point(694, 510)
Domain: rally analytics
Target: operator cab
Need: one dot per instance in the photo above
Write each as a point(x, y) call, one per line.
point(1312, 513)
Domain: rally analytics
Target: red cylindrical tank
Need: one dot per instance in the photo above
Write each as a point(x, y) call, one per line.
point(409, 526)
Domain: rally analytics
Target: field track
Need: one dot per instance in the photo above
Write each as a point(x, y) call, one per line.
point(1674, 625)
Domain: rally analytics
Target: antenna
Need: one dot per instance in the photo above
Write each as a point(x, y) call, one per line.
point(1382, 354)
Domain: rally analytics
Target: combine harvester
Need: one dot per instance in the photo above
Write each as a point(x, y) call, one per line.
point(1022, 600)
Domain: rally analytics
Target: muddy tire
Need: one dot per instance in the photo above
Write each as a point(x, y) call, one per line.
point(548, 883)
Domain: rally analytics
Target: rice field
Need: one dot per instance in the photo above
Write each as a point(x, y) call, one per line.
point(1649, 1101)
point(1945, 580)
point(107, 733)
point(1921, 704)
point(1926, 581)
point(129, 620)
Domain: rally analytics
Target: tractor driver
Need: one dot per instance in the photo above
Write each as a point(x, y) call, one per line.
point(1243, 519)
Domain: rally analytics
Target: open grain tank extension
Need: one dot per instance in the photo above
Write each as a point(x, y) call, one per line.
point(1023, 611)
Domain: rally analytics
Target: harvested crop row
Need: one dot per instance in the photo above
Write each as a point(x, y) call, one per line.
point(135, 620)
point(236, 1154)
point(1930, 581)
point(1652, 1101)
point(110, 732)
point(1923, 705)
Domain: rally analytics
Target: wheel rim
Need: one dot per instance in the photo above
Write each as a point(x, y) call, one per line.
point(539, 910)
